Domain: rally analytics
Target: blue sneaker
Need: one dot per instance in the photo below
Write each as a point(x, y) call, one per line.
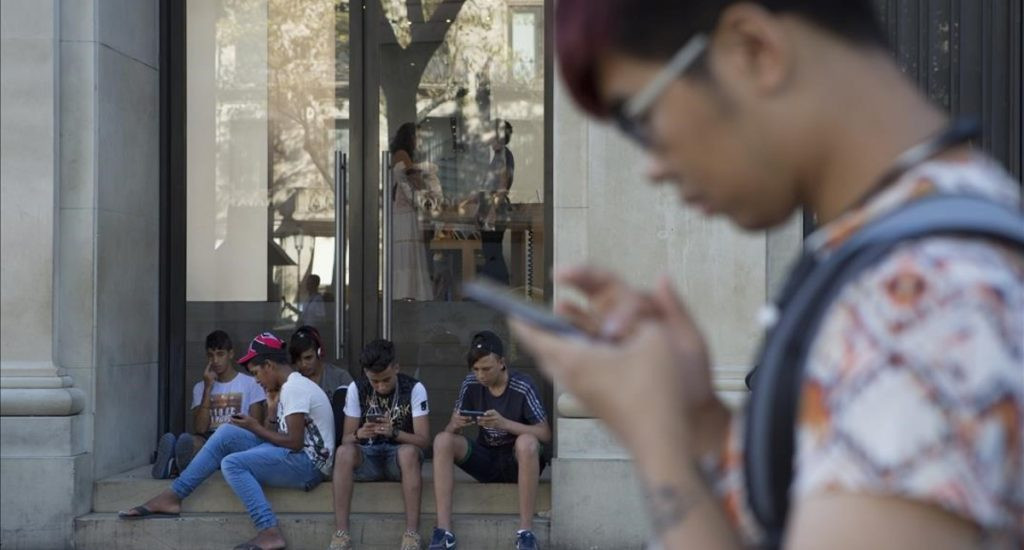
point(525, 540)
point(442, 540)
point(164, 454)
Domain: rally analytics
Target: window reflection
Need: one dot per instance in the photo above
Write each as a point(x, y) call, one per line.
point(268, 104)
point(482, 79)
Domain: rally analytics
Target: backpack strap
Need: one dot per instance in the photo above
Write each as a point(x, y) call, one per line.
point(813, 284)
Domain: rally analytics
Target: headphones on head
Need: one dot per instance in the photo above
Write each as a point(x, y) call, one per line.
point(313, 333)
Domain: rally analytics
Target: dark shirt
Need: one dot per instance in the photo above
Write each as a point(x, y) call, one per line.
point(520, 402)
point(334, 378)
point(407, 401)
point(500, 162)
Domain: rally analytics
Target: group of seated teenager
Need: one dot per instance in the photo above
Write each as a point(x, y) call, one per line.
point(277, 428)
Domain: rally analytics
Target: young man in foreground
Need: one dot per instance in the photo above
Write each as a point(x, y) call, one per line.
point(911, 397)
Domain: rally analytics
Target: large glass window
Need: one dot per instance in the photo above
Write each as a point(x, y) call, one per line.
point(267, 110)
point(446, 148)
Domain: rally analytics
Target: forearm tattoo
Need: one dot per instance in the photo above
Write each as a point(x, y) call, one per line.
point(668, 507)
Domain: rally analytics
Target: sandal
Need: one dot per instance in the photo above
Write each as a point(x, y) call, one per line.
point(141, 512)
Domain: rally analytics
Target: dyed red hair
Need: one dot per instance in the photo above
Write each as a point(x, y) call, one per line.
point(584, 29)
point(654, 30)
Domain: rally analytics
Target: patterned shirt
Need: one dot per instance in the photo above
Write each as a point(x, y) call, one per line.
point(914, 386)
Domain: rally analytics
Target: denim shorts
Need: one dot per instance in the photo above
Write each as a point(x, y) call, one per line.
point(494, 464)
point(380, 463)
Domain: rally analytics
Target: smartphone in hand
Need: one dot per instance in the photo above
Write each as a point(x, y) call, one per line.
point(474, 415)
point(376, 419)
point(501, 299)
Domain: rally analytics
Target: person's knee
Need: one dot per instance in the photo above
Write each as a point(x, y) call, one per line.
point(230, 464)
point(444, 443)
point(527, 446)
point(346, 456)
point(409, 458)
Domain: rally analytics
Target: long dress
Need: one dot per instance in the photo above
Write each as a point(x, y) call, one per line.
point(411, 274)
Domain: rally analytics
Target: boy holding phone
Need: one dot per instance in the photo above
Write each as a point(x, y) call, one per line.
point(513, 428)
point(386, 430)
point(221, 393)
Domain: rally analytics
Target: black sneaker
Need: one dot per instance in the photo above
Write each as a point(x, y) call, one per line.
point(442, 540)
point(525, 540)
point(164, 454)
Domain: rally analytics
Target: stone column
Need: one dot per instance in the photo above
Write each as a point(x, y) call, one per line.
point(42, 452)
point(37, 388)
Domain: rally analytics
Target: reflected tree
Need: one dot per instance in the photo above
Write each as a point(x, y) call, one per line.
point(409, 39)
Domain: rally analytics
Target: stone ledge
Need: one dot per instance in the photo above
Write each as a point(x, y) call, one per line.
point(587, 438)
point(123, 491)
point(36, 436)
point(729, 383)
point(596, 503)
point(218, 531)
point(41, 402)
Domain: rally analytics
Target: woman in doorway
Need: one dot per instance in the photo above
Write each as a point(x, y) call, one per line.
point(409, 261)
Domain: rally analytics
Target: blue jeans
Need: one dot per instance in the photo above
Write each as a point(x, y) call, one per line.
point(248, 461)
point(380, 463)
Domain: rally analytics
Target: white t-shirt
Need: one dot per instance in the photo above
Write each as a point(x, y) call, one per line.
point(228, 398)
point(417, 398)
point(301, 395)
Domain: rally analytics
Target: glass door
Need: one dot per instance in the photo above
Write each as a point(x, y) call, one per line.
point(459, 134)
point(268, 129)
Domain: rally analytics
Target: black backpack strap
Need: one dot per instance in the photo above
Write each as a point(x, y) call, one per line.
point(813, 285)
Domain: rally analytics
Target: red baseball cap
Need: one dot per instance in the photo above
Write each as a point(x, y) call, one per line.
point(265, 346)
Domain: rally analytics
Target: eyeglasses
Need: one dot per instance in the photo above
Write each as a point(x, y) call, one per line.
point(632, 115)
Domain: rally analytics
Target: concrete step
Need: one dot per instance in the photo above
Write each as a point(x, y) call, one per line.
point(132, 488)
point(304, 531)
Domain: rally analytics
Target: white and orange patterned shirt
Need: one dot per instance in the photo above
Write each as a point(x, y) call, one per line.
point(914, 386)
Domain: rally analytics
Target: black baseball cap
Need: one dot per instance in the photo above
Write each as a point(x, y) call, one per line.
point(488, 341)
point(263, 347)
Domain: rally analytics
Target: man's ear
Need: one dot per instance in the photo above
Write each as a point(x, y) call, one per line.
point(754, 49)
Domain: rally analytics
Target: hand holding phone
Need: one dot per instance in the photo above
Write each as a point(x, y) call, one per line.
point(501, 299)
point(376, 419)
point(472, 415)
point(243, 421)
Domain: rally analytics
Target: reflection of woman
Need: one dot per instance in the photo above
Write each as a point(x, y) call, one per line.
point(411, 277)
point(494, 203)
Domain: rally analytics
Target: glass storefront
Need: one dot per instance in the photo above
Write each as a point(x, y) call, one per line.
point(426, 117)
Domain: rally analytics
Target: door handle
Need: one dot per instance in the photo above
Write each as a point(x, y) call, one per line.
point(386, 228)
point(341, 249)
